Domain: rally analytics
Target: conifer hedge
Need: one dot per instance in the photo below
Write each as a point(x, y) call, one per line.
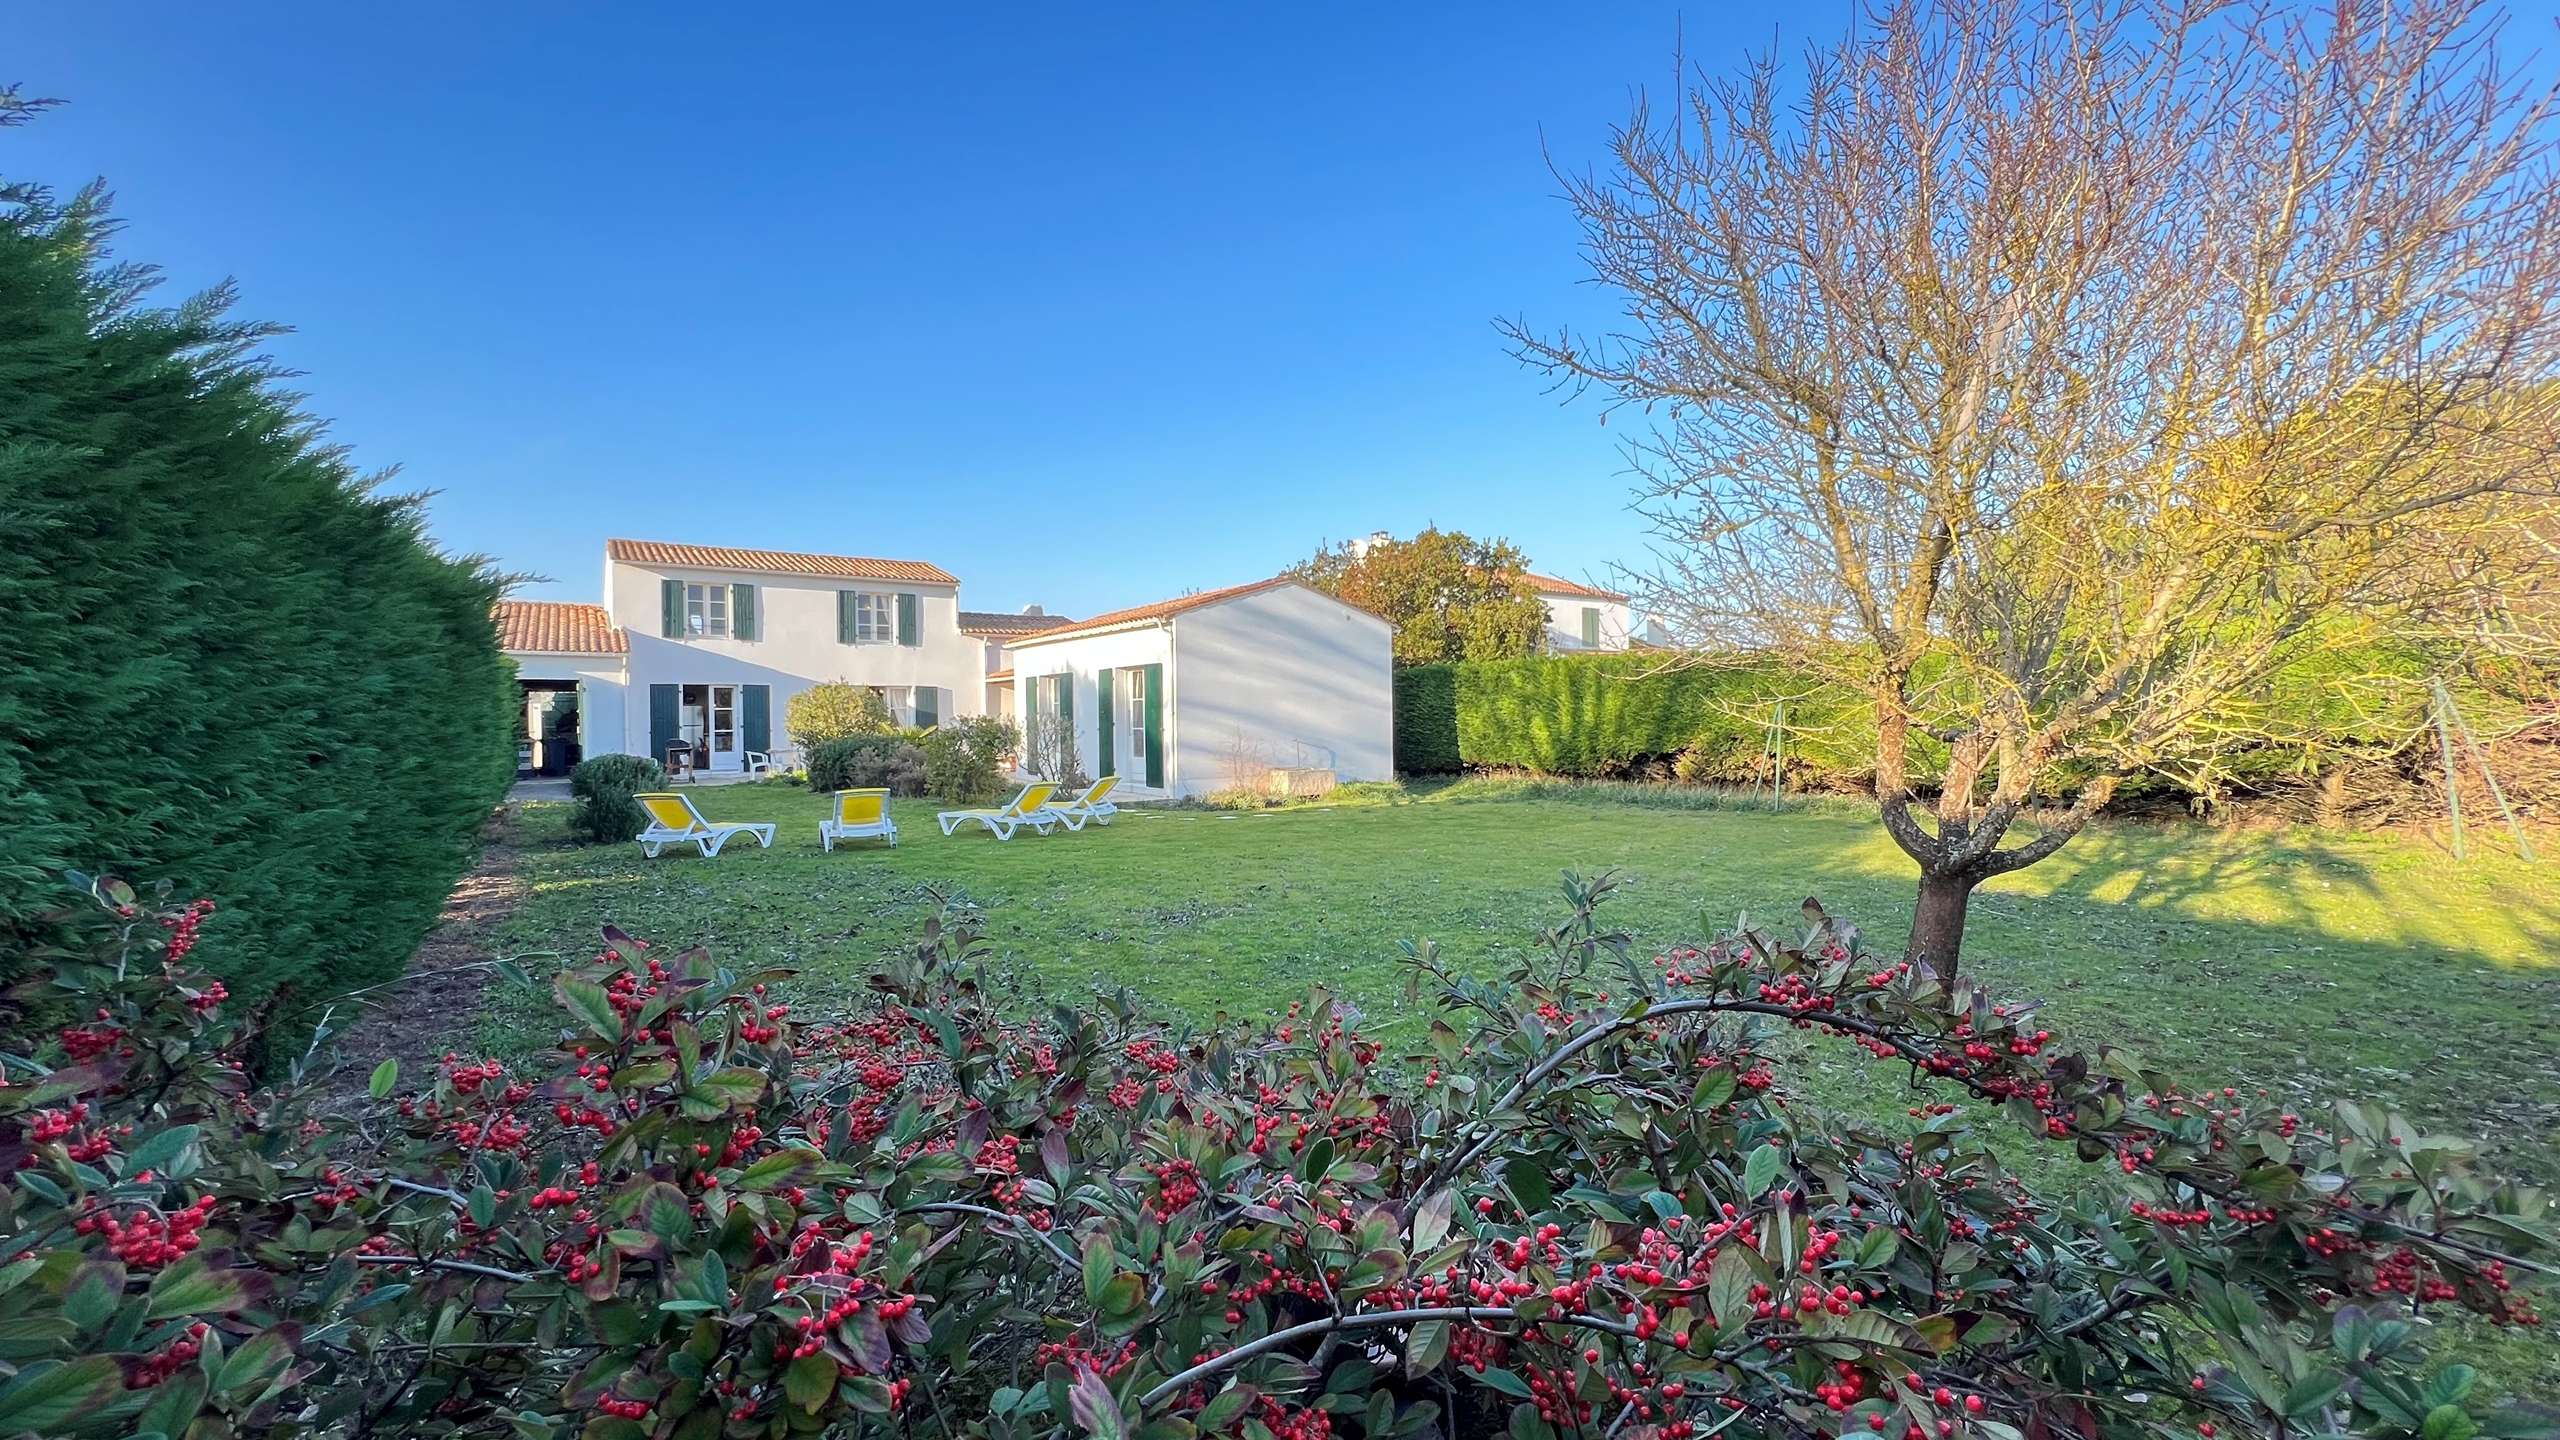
point(231, 661)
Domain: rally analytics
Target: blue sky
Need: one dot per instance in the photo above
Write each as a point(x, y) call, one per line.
point(1002, 288)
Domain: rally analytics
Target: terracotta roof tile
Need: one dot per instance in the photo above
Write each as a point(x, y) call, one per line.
point(1551, 585)
point(556, 627)
point(998, 624)
point(774, 562)
point(1163, 609)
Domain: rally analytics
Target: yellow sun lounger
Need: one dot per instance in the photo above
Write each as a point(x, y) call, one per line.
point(1093, 804)
point(674, 821)
point(856, 815)
point(1026, 808)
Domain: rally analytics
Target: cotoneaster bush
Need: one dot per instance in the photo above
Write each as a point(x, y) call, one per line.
point(1587, 1206)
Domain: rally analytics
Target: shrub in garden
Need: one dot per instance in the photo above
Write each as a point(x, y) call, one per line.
point(964, 758)
point(868, 762)
point(1587, 1204)
point(835, 711)
point(602, 787)
point(232, 657)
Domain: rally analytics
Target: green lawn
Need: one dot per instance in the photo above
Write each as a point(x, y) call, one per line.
point(2315, 963)
point(2318, 964)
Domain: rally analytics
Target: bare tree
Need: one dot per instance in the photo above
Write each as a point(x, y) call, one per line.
point(2057, 372)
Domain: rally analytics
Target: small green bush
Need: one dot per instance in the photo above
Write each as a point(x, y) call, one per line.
point(1426, 720)
point(964, 758)
point(867, 762)
point(602, 786)
point(835, 710)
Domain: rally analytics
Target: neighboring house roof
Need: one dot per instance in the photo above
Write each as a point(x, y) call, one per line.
point(774, 562)
point(1004, 674)
point(1004, 624)
point(1167, 609)
point(558, 627)
point(1550, 585)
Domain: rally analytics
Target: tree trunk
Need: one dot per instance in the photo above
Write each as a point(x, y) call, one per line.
point(1937, 925)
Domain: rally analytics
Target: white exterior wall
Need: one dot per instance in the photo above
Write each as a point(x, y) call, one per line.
point(1564, 622)
point(600, 699)
point(1280, 677)
point(1085, 657)
point(795, 645)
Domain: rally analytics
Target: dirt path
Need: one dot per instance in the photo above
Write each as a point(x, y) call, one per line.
point(419, 1019)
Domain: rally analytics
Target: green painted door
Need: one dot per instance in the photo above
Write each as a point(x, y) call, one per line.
point(662, 721)
point(1102, 722)
point(755, 716)
point(1155, 726)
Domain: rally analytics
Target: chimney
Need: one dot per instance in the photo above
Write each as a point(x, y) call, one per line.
point(1374, 538)
point(1033, 610)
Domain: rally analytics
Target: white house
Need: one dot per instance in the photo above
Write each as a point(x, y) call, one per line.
point(1196, 694)
point(702, 647)
point(1583, 617)
point(569, 663)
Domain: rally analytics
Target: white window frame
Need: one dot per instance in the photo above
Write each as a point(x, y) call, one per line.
point(875, 617)
point(706, 609)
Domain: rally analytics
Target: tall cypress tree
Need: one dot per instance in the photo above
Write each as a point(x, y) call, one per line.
point(227, 659)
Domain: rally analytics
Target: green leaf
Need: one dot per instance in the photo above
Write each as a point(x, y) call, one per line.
point(192, 1287)
point(1222, 1410)
point(1506, 1382)
point(1431, 1222)
point(2449, 1422)
point(1318, 1159)
point(1759, 1170)
point(1099, 1262)
point(156, 1153)
point(255, 1363)
point(385, 1075)
point(809, 1381)
point(97, 1288)
point(45, 1395)
point(1426, 1347)
point(783, 1167)
point(2311, 1392)
point(587, 1002)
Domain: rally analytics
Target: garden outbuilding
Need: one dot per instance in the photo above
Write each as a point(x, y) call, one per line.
point(1211, 691)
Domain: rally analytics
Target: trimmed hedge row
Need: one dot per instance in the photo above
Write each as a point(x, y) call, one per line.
point(1605, 715)
point(232, 662)
point(1598, 714)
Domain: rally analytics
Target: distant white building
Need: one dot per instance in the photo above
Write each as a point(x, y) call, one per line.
point(1584, 617)
point(1199, 693)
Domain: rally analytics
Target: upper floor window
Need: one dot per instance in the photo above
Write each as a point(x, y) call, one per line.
point(875, 618)
point(706, 609)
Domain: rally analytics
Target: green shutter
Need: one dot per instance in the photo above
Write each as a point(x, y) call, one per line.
point(1155, 727)
point(1067, 717)
point(928, 706)
point(844, 617)
point(755, 715)
point(671, 603)
point(662, 721)
point(742, 611)
point(1102, 722)
point(910, 620)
